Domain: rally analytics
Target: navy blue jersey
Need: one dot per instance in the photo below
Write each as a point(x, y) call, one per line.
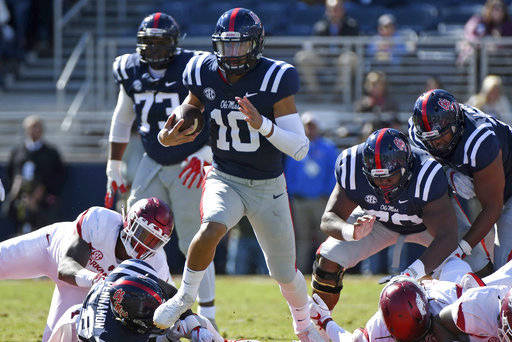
point(238, 149)
point(97, 322)
point(483, 138)
point(404, 214)
point(154, 101)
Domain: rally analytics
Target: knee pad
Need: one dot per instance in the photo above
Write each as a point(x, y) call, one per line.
point(319, 276)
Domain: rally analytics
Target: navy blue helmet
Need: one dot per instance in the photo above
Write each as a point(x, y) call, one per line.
point(157, 39)
point(238, 40)
point(437, 113)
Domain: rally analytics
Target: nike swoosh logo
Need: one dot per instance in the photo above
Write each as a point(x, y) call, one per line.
point(168, 84)
point(277, 196)
point(251, 94)
point(399, 201)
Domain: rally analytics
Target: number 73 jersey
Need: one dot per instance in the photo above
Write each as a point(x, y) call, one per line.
point(238, 149)
point(403, 215)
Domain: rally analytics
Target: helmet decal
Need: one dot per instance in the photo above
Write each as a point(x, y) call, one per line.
point(424, 110)
point(400, 144)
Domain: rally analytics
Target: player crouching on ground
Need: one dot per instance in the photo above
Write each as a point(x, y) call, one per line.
point(77, 254)
point(121, 307)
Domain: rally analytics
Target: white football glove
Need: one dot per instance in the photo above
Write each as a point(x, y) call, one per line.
point(200, 334)
point(318, 311)
point(114, 181)
point(2, 192)
point(461, 183)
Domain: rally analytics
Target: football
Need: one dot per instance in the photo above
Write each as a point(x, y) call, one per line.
point(192, 115)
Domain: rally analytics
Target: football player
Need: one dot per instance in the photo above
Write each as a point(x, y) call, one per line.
point(150, 87)
point(254, 120)
point(120, 308)
point(409, 312)
point(386, 191)
point(476, 149)
point(77, 254)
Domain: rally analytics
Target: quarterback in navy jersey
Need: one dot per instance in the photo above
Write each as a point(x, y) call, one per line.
point(476, 150)
point(386, 191)
point(150, 88)
point(254, 120)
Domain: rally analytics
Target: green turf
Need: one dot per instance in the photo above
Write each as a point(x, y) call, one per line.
point(247, 307)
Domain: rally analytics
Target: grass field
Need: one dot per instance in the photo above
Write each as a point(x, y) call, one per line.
point(247, 307)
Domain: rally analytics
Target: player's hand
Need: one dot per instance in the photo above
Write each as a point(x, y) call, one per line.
point(193, 169)
point(2, 192)
point(318, 311)
point(114, 181)
point(363, 226)
point(252, 116)
point(170, 135)
point(461, 183)
point(200, 334)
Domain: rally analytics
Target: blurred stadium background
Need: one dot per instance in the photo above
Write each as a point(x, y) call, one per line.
point(72, 88)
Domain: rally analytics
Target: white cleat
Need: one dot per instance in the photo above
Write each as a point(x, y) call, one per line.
point(310, 335)
point(169, 312)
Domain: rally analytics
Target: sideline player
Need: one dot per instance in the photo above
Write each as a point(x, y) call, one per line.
point(477, 149)
point(120, 308)
point(77, 254)
point(150, 87)
point(403, 194)
point(254, 120)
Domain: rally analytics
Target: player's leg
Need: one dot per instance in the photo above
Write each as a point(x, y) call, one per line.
point(26, 256)
point(503, 239)
point(66, 328)
point(146, 182)
point(185, 204)
point(271, 220)
point(221, 207)
point(64, 297)
point(334, 257)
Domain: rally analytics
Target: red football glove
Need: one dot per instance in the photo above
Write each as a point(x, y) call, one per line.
point(114, 181)
point(193, 168)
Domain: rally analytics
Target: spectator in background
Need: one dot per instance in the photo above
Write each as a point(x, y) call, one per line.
point(492, 99)
point(244, 254)
point(494, 21)
point(388, 46)
point(310, 182)
point(310, 60)
point(35, 179)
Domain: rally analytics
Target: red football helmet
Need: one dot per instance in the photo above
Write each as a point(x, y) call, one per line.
point(147, 227)
point(505, 323)
point(405, 309)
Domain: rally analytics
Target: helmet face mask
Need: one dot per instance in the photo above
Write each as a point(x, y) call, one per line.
point(157, 40)
point(238, 41)
point(387, 155)
point(147, 228)
point(436, 115)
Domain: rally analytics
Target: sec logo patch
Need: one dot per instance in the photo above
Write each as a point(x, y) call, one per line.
point(370, 199)
point(96, 255)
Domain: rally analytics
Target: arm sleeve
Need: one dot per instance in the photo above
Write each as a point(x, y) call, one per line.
point(122, 118)
point(289, 136)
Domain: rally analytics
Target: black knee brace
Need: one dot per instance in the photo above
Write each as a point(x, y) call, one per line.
point(320, 274)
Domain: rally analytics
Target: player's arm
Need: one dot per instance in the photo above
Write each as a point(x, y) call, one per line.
point(445, 330)
point(170, 135)
point(120, 128)
point(489, 186)
point(287, 134)
point(338, 210)
point(71, 268)
point(441, 222)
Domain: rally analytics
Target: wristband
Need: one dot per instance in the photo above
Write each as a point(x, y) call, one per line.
point(416, 269)
point(266, 126)
point(191, 323)
point(466, 248)
point(347, 231)
point(113, 164)
point(324, 323)
point(84, 277)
